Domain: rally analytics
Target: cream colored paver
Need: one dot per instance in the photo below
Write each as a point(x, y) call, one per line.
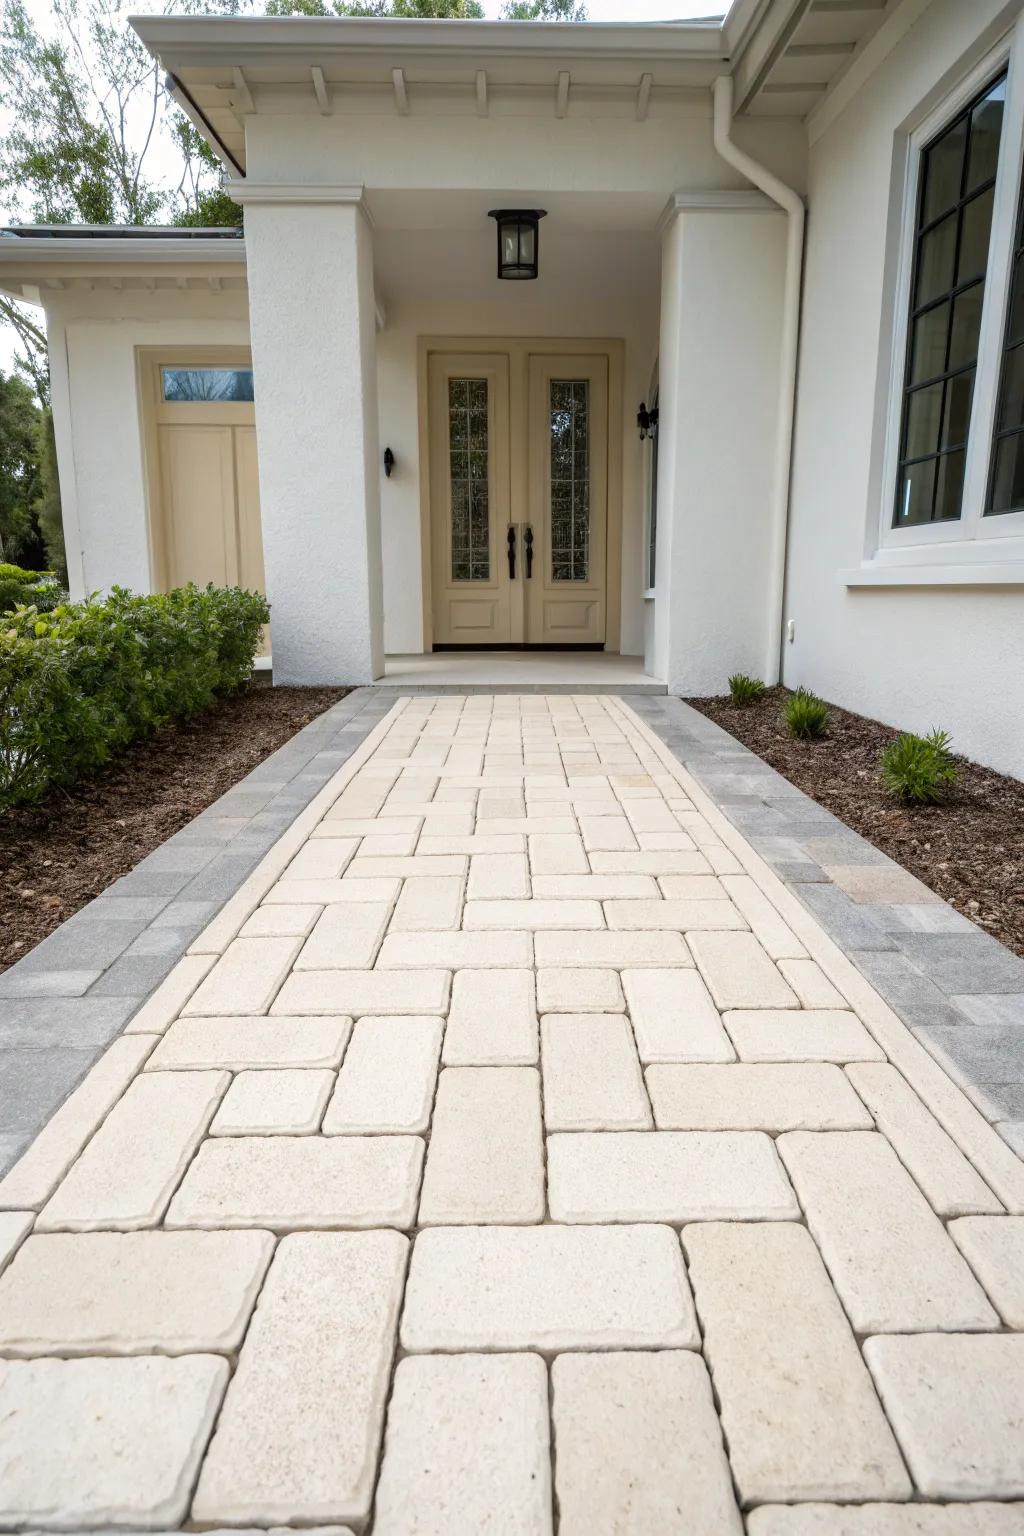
point(533, 914)
point(327, 892)
point(357, 992)
point(434, 902)
point(776, 936)
point(812, 1096)
point(366, 826)
point(294, 920)
point(739, 973)
point(956, 1403)
point(375, 867)
point(886, 1520)
point(616, 951)
point(548, 1288)
point(132, 1293)
point(246, 978)
point(288, 1182)
point(36, 1173)
point(890, 1259)
point(667, 1176)
point(284, 1103)
point(104, 1443)
point(667, 863)
point(810, 1034)
point(498, 877)
point(950, 1182)
point(674, 1018)
point(298, 1435)
point(811, 985)
point(405, 951)
point(673, 914)
point(638, 1447)
point(322, 859)
point(691, 887)
point(485, 1161)
point(345, 938)
point(592, 1077)
point(477, 842)
point(130, 1168)
point(575, 989)
point(14, 1228)
point(238, 1044)
point(595, 887)
point(387, 1081)
point(650, 815)
point(798, 1408)
point(559, 855)
point(174, 991)
point(491, 1026)
point(994, 1248)
point(467, 1447)
point(607, 834)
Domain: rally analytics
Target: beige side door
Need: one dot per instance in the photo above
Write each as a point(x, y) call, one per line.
point(468, 413)
point(565, 562)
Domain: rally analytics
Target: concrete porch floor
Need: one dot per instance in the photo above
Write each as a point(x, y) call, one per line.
point(534, 671)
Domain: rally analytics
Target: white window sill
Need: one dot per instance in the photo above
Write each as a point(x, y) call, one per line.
point(1008, 573)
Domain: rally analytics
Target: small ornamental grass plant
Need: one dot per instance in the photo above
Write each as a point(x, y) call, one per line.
point(81, 683)
point(805, 715)
point(744, 689)
point(919, 769)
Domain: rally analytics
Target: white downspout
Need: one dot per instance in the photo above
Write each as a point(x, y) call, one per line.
point(793, 204)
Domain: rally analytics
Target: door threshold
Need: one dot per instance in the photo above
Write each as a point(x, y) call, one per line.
point(511, 645)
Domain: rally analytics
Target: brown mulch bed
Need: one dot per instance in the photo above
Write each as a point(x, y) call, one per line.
point(969, 849)
point(56, 856)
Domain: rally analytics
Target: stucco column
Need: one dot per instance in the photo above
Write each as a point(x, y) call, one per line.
point(312, 316)
point(723, 269)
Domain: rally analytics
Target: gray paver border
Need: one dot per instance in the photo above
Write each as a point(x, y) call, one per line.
point(956, 988)
point(62, 1004)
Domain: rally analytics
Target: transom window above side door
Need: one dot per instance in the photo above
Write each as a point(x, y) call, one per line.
point(951, 253)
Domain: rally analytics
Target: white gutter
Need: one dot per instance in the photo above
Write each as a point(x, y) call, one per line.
point(793, 204)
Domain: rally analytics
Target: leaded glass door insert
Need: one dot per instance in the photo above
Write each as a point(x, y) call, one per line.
point(468, 477)
point(569, 404)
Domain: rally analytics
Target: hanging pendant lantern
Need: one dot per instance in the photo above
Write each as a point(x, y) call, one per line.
point(518, 241)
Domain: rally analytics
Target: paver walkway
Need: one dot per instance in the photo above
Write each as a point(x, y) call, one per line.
point(514, 1153)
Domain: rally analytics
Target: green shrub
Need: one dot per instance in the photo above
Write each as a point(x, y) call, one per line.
point(805, 715)
point(80, 683)
point(36, 589)
point(744, 689)
point(919, 769)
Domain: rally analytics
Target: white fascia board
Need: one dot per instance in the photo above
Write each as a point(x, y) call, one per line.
point(190, 41)
point(41, 250)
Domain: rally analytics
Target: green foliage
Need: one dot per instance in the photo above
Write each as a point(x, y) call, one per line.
point(919, 769)
point(20, 484)
point(20, 588)
point(805, 715)
point(744, 689)
point(81, 683)
point(48, 509)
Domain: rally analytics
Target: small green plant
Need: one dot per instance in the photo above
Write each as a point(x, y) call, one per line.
point(744, 689)
point(805, 715)
point(919, 769)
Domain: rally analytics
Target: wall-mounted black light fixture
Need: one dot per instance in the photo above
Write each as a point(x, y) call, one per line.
point(647, 420)
point(518, 241)
point(389, 462)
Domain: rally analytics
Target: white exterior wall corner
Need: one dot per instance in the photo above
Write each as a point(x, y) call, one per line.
point(311, 304)
point(723, 275)
point(912, 657)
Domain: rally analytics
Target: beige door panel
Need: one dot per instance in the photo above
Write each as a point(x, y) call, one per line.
point(198, 483)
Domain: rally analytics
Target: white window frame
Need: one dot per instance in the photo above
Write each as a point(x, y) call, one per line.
point(974, 538)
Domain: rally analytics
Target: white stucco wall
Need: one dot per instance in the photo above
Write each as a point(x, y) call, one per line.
point(913, 657)
point(94, 337)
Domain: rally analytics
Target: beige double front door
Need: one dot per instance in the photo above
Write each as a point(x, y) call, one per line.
point(518, 497)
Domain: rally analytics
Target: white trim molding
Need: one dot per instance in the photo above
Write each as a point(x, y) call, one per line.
point(962, 574)
point(714, 200)
point(290, 192)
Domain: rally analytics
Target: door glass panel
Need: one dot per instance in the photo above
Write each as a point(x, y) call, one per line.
point(468, 471)
point(207, 383)
point(569, 415)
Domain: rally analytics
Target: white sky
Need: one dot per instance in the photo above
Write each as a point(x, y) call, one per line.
point(599, 10)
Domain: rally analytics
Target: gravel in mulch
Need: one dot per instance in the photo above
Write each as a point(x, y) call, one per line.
point(969, 849)
point(56, 856)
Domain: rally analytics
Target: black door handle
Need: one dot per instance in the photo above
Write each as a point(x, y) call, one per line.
point(528, 543)
point(510, 539)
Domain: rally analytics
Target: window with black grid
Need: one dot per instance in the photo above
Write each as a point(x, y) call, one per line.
point(1006, 484)
point(951, 244)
